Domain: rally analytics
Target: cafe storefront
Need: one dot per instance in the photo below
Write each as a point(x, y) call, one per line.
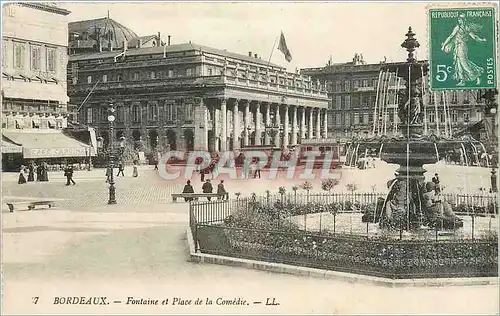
point(53, 147)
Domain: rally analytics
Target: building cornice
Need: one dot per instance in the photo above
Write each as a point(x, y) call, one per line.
point(44, 7)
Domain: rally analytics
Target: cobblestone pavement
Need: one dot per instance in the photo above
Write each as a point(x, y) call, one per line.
point(149, 187)
point(120, 251)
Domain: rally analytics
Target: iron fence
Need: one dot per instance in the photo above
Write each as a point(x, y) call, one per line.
point(383, 258)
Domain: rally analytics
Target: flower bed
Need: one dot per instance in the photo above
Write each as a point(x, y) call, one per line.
point(261, 232)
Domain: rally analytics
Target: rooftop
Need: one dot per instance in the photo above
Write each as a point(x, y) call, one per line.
point(172, 49)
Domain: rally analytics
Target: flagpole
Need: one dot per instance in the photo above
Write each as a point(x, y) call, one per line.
point(272, 51)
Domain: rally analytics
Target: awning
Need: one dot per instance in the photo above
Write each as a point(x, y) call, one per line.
point(34, 91)
point(10, 148)
point(53, 144)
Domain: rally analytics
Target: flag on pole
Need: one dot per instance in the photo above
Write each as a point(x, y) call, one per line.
point(284, 49)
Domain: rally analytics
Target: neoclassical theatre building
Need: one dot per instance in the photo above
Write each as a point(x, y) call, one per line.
point(188, 96)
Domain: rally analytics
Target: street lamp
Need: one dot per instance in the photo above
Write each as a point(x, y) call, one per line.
point(111, 120)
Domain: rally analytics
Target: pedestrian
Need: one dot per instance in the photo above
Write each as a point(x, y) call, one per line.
point(120, 169)
point(188, 188)
point(221, 191)
point(31, 172)
point(156, 164)
point(207, 188)
point(68, 173)
point(22, 178)
point(436, 181)
point(135, 173)
point(38, 170)
point(109, 171)
point(45, 172)
point(257, 167)
point(202, 174)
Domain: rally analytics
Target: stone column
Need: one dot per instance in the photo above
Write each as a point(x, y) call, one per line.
point(318, 125)
point(223, 133)
point(286, 130)
point(201, 130)
point(294, 126)
point(310, 126)
point(236, 127)
point(246, 120)
point(277, 137)
point(303, 123)
point(258, 129)
point(325, 124)
point(267, 140)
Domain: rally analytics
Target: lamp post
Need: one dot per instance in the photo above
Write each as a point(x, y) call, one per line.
point(111, 120)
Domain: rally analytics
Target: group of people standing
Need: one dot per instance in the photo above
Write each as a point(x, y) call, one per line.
point(121, 169)
point(41, 172)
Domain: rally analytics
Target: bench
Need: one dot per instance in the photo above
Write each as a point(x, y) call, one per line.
point(31, 204)
point(196, 196)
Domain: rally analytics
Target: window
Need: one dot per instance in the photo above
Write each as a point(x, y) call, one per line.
point(152, 75)
point(466, 116)
point(374, 82)
point(432, 117)
point(136, 76)
point(119, 77)
point(365, 83)
point(35, 57)
point(347, 101)
point(170, 73)
point(432, 98)
point(454, 116)
point(89, 79)
point(189, 116)
point(209, 71)
point(348, 119)
point(356, 118)
point(466, 97)
point(189, 72)
point(454, 97)
point(4, 54)
point(355, 83)
point(338, 102)
point(153, 110)
point(366, 118)
point(120, 114)
point(136, 113)
point(347, 85)
point(479, 115)
point(338, 119)
point(18, 55)
point(89, 115)
point(338, 86)
point(170, 112)
point(441, 117)
point(104, 78)
point(51, 59)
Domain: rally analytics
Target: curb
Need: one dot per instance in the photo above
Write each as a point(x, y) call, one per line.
point(199, 257)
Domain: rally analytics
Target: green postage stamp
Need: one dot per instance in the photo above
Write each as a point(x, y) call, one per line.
point(462, 48)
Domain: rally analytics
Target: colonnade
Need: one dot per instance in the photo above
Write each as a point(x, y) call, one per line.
point(240, 122)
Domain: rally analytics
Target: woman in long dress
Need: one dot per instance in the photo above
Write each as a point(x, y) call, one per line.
point(22, 178)
point(456, 43)
point(135, 173)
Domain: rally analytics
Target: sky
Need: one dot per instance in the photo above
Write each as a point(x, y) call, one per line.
point(313, 31)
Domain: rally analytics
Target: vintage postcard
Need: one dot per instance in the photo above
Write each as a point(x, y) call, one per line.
point(249, 158)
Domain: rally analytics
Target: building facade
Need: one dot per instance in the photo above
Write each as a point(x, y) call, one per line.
point(192, 97)
point(34, 87)
point(364, 101)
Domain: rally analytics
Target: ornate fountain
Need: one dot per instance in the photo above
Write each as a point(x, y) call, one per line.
point(405, 204)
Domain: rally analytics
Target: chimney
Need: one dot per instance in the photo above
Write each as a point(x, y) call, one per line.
point(158, 39)
point(139, 43)
point(249, 54)
point(168, 43)
point(255, 55)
